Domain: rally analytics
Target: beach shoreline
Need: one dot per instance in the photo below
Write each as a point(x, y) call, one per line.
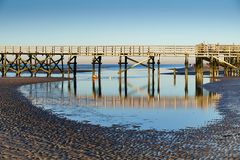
point(28, 132)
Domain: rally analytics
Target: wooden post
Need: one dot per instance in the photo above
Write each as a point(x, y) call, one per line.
point(48, 60)
point(62, 58)
point(186, 74)
point(99, 66)
point(120, 77)
point(186, 86)
point(153, 69)
point(35, 65)
point(75, 86)
point(199, 67)
point(93, 65)
point(69, 66)
point(125, 75)
point(226, 71)
point(1, 63)
point(31, 64)
point(17, 63)
point(99, 87)
point(158, 89)
point(93, 88)
point(186, 64)
point(214, 68)
point(148, 76)
point(199, 75)
point(75, 67)
point(4, 63)
point(174, 76)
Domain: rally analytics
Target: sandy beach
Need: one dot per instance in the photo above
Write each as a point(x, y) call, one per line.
point(28, 132)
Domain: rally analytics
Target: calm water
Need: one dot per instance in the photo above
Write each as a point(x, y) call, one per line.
point(167, 104)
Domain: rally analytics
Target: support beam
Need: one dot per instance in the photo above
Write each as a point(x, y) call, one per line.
point(96, 60)
point(213, 67)
point(2, 64)
point(17, 64)
point(120, 77)
point(199, 76)
point(186, 74)
point(99, 87)
point(125, 76)
point(174, 77)
point(73, 61)
point(158, 89)
point(93, 66)
point(186, 86)
point(186, 64)
point(99, 66)
point(151, 63)
point(199, 67)
point(153, 77)
point(135, 65)
point(75, 67)
point(139, 63)
point(31, 64)
point(4, 69)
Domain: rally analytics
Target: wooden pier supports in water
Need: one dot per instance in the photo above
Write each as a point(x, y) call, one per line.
point(3, 65)
point(199, 74)
point(158, 64)
point(213, 67)
point(32, 64)
point(125, 63)
point(72, 61)
point(96, 60)
point(151, 64)
point(199, 67)
point(186, 74)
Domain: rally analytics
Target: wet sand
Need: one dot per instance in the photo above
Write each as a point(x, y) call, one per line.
point(28, 132)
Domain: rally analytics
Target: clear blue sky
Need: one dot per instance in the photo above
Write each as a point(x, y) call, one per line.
point(119, 21)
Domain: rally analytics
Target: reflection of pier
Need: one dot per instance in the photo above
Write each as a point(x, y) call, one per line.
point(135, 102)
point(97, 99)
point(144, 102)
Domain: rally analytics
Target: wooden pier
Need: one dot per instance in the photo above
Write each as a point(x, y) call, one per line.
point(50, 59)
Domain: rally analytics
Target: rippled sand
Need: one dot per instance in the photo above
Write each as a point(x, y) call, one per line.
point(28, 132)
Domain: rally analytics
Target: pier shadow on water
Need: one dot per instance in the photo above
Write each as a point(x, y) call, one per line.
point(140, 101)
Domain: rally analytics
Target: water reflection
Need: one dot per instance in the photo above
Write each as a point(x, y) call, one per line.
point(102, 101)
point(199, 100)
